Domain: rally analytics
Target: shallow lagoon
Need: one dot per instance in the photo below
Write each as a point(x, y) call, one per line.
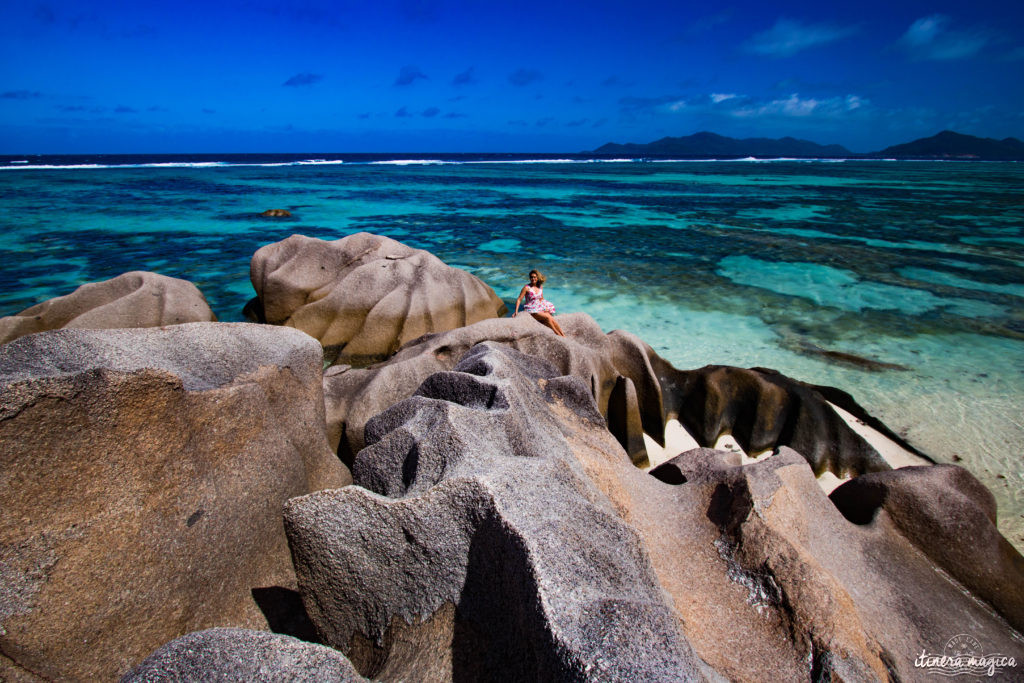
point(915, 264)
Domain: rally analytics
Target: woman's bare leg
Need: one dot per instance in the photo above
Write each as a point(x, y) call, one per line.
point(549, 320)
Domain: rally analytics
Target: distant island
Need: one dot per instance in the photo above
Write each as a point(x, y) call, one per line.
point(945, 145)
point(950, 145)
point(705, 144)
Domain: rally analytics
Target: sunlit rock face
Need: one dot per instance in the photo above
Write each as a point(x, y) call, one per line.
point(234, 654)
point(945, 512)
point(494, 512)
point(757, 555)
point(143, 474)
point(364, 296)
point(135, 299)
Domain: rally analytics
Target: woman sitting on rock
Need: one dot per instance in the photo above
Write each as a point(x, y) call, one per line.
point(536, 305)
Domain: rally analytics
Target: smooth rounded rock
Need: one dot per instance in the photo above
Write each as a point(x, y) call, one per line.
point(354, 396)
point(364, 296)
point(492, 503)
point(144, 471)
point(761, 408)
point(135, 299)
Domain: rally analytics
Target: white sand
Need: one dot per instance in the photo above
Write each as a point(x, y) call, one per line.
point(677, 440)
point(892, 452)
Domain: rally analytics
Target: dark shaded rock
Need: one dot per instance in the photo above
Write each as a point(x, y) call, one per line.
point(951, 517)
point(253, 311)
point(763, 409)
point(277, 213)
point(284, 612)
point(845, 401)
point(135, 299)
point(481, 550)
point(363, 296)
point(144, 472)
point(632, 358)
point(234, 654)
point(624, 420)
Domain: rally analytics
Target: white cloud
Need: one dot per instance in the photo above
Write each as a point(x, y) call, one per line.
point(796, 106)
point(787, 37)
point(931, 38)
point(744, 106)
point(924, 31)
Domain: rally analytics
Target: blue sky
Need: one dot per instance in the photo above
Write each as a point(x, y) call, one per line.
point(446, 75)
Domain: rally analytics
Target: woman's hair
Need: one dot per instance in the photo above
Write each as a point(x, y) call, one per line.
point(540, 278)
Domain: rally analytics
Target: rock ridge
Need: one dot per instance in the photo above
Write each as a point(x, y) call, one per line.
point(468, 494)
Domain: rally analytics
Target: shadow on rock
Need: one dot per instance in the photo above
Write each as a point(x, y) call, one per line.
point(285, 612)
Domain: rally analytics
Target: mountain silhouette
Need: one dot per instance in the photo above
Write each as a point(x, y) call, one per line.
point(705, 144)
point(950, 145)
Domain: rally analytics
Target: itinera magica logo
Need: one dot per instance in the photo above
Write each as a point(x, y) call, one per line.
point(964, 655)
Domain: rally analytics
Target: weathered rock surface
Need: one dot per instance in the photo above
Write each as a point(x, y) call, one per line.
point(234, 654)
point(355, 395)
point(950, 516)
point(481, 550)
point(635, 389)
point(141, 483)
point(135, 299)
point(492, 504)
point(768, 575)
point(363, 296)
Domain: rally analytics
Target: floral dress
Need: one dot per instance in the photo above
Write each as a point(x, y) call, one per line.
point(536, 303)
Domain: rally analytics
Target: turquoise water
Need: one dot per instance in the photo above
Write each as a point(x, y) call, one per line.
point(911, 264)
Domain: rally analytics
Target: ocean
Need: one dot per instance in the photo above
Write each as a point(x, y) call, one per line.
point(900, 282)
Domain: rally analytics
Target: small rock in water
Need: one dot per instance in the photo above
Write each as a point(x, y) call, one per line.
point(276, 213)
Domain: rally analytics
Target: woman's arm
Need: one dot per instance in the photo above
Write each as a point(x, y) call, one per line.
point(522, 293)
